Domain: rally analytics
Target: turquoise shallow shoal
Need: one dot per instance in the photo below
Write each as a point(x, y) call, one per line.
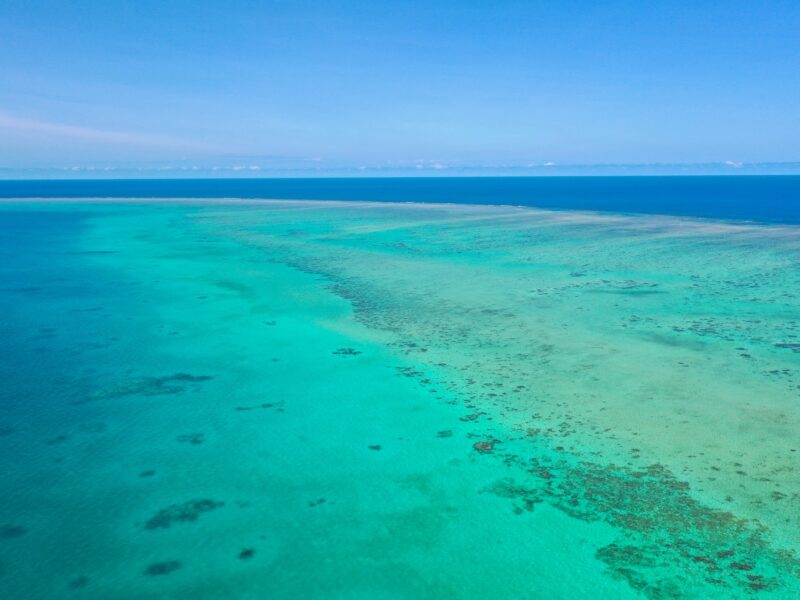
point(347, 400)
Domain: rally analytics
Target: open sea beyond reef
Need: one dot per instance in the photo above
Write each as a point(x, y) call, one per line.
point(314, 399)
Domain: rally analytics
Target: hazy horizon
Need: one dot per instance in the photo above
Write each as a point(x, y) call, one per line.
point(250, 170)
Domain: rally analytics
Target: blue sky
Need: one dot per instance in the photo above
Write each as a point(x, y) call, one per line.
point(397, 84)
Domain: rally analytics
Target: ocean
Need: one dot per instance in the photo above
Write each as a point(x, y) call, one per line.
point(506, 388)
point(767, 198)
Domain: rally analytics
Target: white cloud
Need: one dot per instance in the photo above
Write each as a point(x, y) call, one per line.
point(89, 134)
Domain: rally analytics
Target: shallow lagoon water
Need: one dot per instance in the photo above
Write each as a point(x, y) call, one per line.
point(349, 400)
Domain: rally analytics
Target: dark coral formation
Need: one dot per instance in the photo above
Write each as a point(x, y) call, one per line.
point(59, 439)
point(79, 582)
point(246, 553)
point(186, 512)
point(470, 417)
point(10, 531)
point(794, 347)
point(163, 568)
point(485, 446)
point(661, 525)
point(264, 405)
point(347, 352)
point(525, 497)
point(149, 386)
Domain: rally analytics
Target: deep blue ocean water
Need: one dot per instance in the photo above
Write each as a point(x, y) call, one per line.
point(774, 199)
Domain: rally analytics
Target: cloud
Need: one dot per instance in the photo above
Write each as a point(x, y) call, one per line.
point(89, 134)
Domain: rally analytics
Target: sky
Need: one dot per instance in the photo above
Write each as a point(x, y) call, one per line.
point(257, 86)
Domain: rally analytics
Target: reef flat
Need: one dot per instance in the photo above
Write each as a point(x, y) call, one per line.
point(338, 399)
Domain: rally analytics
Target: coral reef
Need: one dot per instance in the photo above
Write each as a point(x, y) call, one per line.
point(163, 568)
point(347, 352)
point(186, 512)
point(10, 531)
point(191, 438)
point(148, 386)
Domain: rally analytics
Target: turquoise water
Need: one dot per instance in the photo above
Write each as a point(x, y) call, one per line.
point(250, 399)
